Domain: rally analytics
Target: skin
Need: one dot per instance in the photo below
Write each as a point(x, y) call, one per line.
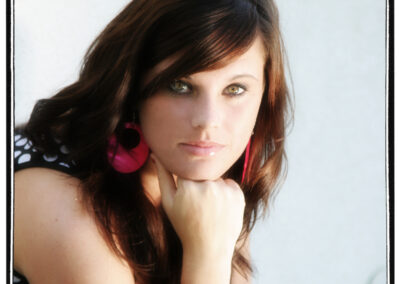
point(205, 210)
point(56, 239)
point(208, 112)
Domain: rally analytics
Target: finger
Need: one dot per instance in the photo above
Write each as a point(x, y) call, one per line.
point(166, 183)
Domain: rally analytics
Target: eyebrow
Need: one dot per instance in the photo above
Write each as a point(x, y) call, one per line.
point(232, 78)
point(243, 75)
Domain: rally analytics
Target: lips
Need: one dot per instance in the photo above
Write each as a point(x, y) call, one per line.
point(201, 148)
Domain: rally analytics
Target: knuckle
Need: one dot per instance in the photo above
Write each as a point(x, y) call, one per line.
point(232, 184)
point(208, 186)
point(184, 183)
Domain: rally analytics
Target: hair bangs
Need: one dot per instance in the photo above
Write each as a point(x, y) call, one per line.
point(198, 36)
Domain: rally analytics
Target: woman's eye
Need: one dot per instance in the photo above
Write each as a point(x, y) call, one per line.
point(180, 87)
point(235, 90)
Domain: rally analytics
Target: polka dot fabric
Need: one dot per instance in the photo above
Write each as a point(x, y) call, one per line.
point(27, 156)
point(19, 279)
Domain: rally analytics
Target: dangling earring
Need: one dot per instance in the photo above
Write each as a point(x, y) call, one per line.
point(246, 159)
point(133, 154)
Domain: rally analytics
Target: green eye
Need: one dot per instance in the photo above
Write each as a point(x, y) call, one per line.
point(179, 86)
point(235, 90)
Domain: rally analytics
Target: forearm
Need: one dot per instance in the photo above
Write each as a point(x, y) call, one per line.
point(206, 269)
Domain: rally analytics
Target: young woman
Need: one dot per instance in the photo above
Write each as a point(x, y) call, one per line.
point(154, 166)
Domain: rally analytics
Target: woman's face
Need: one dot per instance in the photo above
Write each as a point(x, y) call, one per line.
point(200, 125)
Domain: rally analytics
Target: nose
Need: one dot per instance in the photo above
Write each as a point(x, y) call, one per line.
point(207, 112)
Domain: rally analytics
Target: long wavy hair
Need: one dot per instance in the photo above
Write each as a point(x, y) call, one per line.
point(202, 34)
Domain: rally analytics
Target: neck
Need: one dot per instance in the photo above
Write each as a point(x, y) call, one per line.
point(149, 179)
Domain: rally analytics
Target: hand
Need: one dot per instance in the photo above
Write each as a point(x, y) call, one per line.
point(207, 216)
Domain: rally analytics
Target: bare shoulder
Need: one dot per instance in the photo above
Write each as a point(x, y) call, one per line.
point(56, 240)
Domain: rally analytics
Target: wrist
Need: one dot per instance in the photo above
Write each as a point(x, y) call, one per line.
point(209, 251)
point(206, 268)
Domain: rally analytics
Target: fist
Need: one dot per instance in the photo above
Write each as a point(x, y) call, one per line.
point(206, 215)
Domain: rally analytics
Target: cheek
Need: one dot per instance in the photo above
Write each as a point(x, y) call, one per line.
point(160, 120)
point(242, 121)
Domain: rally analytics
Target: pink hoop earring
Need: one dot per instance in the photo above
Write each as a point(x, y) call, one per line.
point(246, 160)
point(129, 159)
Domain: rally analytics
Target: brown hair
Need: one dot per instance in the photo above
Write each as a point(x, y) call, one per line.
point(107, 93)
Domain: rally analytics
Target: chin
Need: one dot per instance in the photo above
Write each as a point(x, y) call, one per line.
point(199, 174)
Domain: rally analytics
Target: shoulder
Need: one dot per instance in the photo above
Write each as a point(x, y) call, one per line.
point(55, 237)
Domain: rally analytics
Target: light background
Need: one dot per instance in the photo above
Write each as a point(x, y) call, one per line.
point(327, 224)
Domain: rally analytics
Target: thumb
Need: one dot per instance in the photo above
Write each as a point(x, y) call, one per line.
point(166, 183)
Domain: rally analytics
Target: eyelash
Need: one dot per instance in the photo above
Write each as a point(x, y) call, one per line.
point(190, 89)
point(239, 86)
point(175, 91)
